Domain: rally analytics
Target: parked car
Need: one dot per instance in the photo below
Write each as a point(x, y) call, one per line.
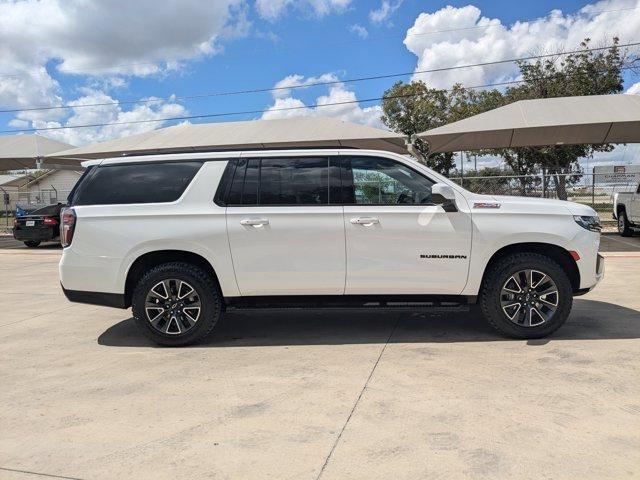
point(182, 237)
point(626, 209)
point(41, 225)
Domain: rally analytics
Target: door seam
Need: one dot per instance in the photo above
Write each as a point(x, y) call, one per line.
point(233, 265)
point(346, 260)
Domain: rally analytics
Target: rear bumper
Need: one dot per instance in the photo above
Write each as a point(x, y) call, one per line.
point(114, 300)
point(90, 273)
point(35, 234)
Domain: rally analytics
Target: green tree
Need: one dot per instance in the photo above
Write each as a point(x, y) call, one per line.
point(411, 108)
point(414, 107)
point(588, 72)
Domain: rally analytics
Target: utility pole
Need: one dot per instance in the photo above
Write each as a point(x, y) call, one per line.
point(6, 199)
point(593, 187)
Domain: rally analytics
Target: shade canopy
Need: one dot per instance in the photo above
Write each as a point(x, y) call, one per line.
point(546, 121)
point(22, 151)
point(258, 134)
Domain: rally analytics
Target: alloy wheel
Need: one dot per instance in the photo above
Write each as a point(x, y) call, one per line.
point(621, 222)
point(172, 306)
point(529, 298)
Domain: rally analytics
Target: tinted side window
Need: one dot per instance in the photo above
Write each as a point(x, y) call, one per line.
point(80, 181)
point(283, 181)
point(237, 181)
point(380, 181)
point(49, 210)
point(294, 181)
point(135, 183)
point(251, 177)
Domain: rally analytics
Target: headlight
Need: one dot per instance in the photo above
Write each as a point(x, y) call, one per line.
point(590, 223)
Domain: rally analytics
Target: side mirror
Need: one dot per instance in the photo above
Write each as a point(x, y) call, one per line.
point(443, 195)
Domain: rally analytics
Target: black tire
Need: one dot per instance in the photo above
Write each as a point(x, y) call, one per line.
point(32, 243)
point(497, 278)
point(208, 294)
point(624, 229)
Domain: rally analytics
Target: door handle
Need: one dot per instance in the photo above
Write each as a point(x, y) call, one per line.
point(254, 222)
point(367, 221)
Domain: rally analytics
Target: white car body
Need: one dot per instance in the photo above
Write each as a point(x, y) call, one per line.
point(318, 250)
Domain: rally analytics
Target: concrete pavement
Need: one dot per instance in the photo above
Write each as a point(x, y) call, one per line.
point(316, 395)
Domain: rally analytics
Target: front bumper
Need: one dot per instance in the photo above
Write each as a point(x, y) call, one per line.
point(600, 266)
point(591, 264)
point(599, 276)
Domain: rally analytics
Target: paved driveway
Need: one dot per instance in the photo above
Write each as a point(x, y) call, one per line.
point(316, 395)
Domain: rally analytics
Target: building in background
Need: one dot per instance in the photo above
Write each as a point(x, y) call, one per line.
point(52, 186)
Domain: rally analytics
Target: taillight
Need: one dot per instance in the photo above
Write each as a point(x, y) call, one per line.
point(15, 222)
point(50, 221)
point(67, 226)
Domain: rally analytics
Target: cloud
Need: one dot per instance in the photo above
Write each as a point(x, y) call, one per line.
point(620, 155)
point(634, 89)
point(96, 39)
point(153, 110)
point(386, 9)
point(285, 85)
point(459, 36)
point(273, 9)
point(359, 30)
point(348, 110)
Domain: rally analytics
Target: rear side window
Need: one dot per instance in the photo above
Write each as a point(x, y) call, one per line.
point(49, 210)
point(80, 181)
point(148, 182)
point(294, 181)
point(281, 181)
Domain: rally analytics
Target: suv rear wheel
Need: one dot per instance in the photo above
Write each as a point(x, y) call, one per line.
point(176, 304)
point(32, 243)
point(526, 295)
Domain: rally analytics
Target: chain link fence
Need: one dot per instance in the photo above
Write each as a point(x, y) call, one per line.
point(15, 200)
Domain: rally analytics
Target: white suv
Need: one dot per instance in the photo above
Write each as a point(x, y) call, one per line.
point(182, 237)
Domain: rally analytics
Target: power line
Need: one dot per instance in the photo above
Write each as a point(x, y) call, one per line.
point(245, 112)
point(314, 84)
point(384, 37)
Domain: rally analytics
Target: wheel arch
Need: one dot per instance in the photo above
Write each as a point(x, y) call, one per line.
point(620, 208)
point(557, 253)
point(157, 257)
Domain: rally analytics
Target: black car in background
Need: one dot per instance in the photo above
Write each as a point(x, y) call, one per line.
point(40, 225)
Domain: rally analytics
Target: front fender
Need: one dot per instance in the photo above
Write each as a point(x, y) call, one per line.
point(493, 232)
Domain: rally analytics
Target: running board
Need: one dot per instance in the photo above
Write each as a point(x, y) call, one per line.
point(412, 303)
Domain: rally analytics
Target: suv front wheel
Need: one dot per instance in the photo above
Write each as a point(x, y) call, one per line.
point(176, 304)
point(526, 295)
